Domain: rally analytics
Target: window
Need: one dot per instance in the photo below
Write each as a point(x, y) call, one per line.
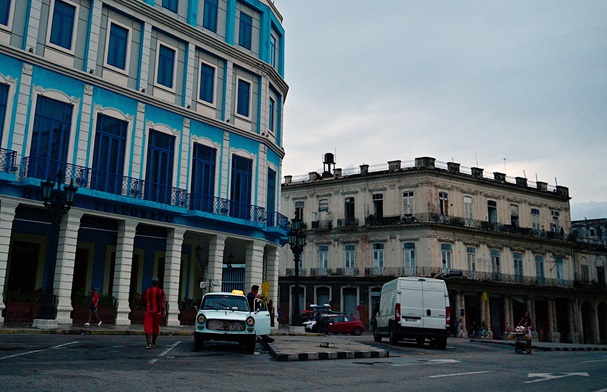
point(378, 205)
point(170, 5)
point(378, 258)
point(535, 218)
point(539, 268)
point(349, 211)
point(443, 203)
point(446, 254)
point(299, 206)
point(514, 215)
point(207, 83)
point(585, 273)
point(203, 177)
point(241, 187)
point(244, 98)
point(209, 17)
point(118, 45)
point(6, 11)
point(471, 258)
point(271, 109)
point(408, 209)
point(555, 225)
point(492, 211)
point(273, 51)
point(495, 261)
point(110, 153)
point(63, 24)
point(271, 196)
point(50, 137)
point(409, 256)
point(468, 212)
point(323, 205)
point(3, 106)
point(350, 252)
point(245, 30)
point(558, 265)
point(518, 265)
point(159, 171)
point(323, 256)
point(165, 71)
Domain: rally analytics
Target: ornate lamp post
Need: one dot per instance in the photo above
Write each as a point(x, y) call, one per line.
point(57, 202)
point(297, 241)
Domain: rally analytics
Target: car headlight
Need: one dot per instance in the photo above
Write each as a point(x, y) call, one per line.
point(201, 319)
point(250, 321)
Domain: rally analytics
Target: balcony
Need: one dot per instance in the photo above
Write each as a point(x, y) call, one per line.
point(8, 161)
point(133, 188)
point(353, 272)
point(322, 225)
point(320, 271)
point(347, 222)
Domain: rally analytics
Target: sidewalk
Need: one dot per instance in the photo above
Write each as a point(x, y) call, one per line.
point(547, 346)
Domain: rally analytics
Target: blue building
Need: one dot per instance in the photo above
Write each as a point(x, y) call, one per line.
point(167, 117)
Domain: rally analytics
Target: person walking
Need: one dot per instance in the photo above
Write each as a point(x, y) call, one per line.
point(93, 308)
point(155, 301)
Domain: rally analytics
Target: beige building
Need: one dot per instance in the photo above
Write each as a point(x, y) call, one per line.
point(503, 244)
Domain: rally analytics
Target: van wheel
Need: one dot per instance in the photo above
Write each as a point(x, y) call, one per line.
point(393, 336)
point(420, 342)
point(441, 343)
point(376, 335)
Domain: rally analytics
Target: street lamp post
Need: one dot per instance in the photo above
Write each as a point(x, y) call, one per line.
point(297, 241)
point(57, 202)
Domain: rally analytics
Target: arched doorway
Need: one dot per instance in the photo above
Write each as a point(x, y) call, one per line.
point(587, 323)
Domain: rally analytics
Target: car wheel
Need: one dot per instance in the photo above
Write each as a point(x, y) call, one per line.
point(393, 336)
point(357, 331)
point(376, 335)
point(198, 342)
point(441, 343)
point(250, 344)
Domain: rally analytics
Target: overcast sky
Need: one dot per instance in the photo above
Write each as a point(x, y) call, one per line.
point(511, 86)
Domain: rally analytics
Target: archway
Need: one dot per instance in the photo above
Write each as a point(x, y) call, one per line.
point(587, 323)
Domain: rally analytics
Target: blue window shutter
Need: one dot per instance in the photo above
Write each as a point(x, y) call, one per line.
point(245, 30)
point(166, 64)
point(5, 8)
point(243, 105)
point(271, 109)
point(63, 24)
point(116, 55)
point(209, 18)
point(3, 103)
point(207, 83)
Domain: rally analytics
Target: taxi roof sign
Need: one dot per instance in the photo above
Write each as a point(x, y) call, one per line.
point(238, 292)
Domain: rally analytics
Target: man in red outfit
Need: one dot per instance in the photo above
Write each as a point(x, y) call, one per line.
point(155, 309)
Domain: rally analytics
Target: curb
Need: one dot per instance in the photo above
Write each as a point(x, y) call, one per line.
point(323, 355)
point(548, 348)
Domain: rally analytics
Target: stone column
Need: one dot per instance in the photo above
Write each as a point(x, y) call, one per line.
point(122, 271)
point(254, 262)
point(272, 257)
point(7, 216)
point(553, 334)
point(64, 268)
point(596, 338)
point(215, 267)
point(172, 273)
point(574, 335)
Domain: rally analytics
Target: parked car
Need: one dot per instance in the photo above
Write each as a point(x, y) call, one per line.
point(346, 324)
point(227, 317)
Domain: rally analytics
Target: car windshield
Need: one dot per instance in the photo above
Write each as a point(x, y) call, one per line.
point(225, 302)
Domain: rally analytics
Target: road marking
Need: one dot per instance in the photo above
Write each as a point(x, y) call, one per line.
point(550, 376)
point(165, 352)
point(602, 390)
point(459, 374)
point(38, 351)
point(597, 360)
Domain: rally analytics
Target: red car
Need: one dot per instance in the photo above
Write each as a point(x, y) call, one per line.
point(346, 324)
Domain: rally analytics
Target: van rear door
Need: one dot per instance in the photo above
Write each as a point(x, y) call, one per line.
point(434, 304)
point(411, 303)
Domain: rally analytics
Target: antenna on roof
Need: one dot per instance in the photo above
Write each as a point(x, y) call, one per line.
point(555, 182)
point(476, 159)
point(524, 174)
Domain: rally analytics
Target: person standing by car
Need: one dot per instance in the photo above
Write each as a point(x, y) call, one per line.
point(254, 293)
point(155, 301)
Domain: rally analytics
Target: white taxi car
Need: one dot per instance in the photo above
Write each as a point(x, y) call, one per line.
point(227, 317)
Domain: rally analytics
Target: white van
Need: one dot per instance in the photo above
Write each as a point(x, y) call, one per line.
point(413, 308)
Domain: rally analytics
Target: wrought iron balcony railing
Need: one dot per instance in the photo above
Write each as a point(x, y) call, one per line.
point(85, 177)
point(8, 161)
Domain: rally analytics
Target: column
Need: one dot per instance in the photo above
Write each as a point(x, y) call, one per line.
point(94, 39)
point(122, 271)
point(272, 258)
point(7, 216)
point(172, 269)
point(33, 25)
point(215, 267)
point(64, 269)
point(254, 260)
point(596, 338)
point(463, 328)
point(574, 334)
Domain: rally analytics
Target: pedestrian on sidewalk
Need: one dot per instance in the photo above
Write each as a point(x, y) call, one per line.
point(155, 302)
point(93, 308)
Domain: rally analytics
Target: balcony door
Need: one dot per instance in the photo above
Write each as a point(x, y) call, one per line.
point(159, 172)
point(108, 159)
point(240, 192)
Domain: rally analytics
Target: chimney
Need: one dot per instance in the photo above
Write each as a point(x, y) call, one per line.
point(338, 172)
point(393, 165)
point(424, 163)
point(477, 172)
point(364, 169)
point(499, 177)
point(453, 167)
point(313, 176)
point(288, 179)
point(541, 186)
point(521, 181)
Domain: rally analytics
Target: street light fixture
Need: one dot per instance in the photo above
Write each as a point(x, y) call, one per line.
point(297, 241)
point(57, 202)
